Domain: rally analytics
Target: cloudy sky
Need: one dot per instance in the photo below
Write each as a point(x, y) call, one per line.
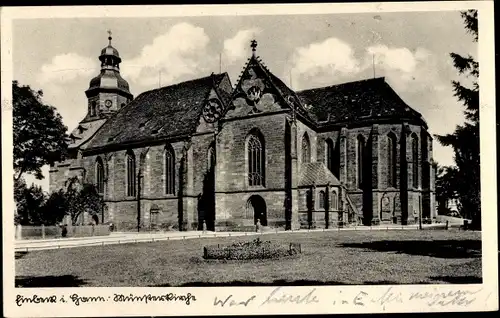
point(411, 50)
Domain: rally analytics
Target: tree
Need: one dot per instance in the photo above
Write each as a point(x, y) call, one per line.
point(39, 135)
point(29, 201)
point(465, 139)
point(81, 197)
point(445, 187)
point(55, 207)
point(34, 207)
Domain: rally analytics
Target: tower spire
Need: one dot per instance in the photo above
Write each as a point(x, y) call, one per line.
point(253, 45)
point(109, 37)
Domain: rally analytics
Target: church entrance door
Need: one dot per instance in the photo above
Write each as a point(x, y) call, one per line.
point(258, 205)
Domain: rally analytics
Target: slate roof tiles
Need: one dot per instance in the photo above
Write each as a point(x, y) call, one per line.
point(162, 113)
point(357, 101)
point(316, 173)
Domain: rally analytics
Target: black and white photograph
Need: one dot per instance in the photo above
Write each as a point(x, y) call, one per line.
point(299, 151)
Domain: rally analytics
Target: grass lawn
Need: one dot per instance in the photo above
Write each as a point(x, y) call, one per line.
point(337, 258)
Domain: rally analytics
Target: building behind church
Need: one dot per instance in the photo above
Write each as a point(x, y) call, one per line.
point(205, 151)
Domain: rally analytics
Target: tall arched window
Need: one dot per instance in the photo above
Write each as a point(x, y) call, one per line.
point(321, 199)
point(334, 204)
point(99, 175)
point(360, 154)
point(131, 176)
point(391, 160)
point(414, 152)
point(309, 200)
point(329, 154)
point(169, 171)
point(306, 149)
point(256, 160)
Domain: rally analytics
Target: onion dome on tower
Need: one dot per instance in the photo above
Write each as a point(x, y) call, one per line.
point(108, 91)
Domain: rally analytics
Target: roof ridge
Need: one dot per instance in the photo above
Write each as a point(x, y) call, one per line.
point(184, 82)
point(381, 78)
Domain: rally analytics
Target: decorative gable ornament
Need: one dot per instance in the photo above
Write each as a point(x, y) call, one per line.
point(252, 86)
point(254, 94)
point(212, 110)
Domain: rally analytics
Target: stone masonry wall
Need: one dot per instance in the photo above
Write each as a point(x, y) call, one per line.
point(122, 208)
point(231, 171)
point(232, 189)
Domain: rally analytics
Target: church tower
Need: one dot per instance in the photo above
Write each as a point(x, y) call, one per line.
point(108, 92)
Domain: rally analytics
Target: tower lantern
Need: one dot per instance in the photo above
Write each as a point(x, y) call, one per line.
point(109, 91)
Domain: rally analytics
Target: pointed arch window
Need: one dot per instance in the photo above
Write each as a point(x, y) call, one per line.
point(131, 176)
point(414, 151)
point(335, 204)
point(329, 154)
point(360, 154)
point(391, 160)
point(306, 149)
point(321, 200)
point(169, 171)
point(99, 175)
point(256, 160)
point(309, 200)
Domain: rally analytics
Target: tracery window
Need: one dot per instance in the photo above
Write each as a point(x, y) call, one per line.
point(256, 160)
point(335, 200)
point(99, 175)
point(360, 153)
point(306, 149)
point(321, 199)
point(131, 176)
point(329, 151)
point(391, 160)
point(414, 151)
point(169, 171)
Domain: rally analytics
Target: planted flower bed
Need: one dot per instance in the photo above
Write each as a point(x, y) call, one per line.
point(256, 249)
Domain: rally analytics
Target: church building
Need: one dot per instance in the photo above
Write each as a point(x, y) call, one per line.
point(206, 151)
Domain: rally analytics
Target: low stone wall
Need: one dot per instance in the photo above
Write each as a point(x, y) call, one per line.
point(27, 232)
point(88, 230)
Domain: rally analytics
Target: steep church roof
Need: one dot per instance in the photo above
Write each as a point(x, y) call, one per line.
point(316, 173)
point(357, 102)
point(167, 112)
point(85, 130)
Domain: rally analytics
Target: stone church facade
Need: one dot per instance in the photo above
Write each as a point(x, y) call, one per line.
point(205, 151)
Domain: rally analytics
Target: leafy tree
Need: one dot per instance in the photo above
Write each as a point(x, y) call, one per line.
point(465, 139)
point(80, 198)
point(38, 131)
point(55, 207)
point(29, 201)
point(19, 188)
point(445, 187)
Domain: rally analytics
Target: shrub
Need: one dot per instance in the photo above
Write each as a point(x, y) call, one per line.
point(169, 225)
point(256, 249)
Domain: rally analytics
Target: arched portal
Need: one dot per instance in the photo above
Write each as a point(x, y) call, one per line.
point(256, 206)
